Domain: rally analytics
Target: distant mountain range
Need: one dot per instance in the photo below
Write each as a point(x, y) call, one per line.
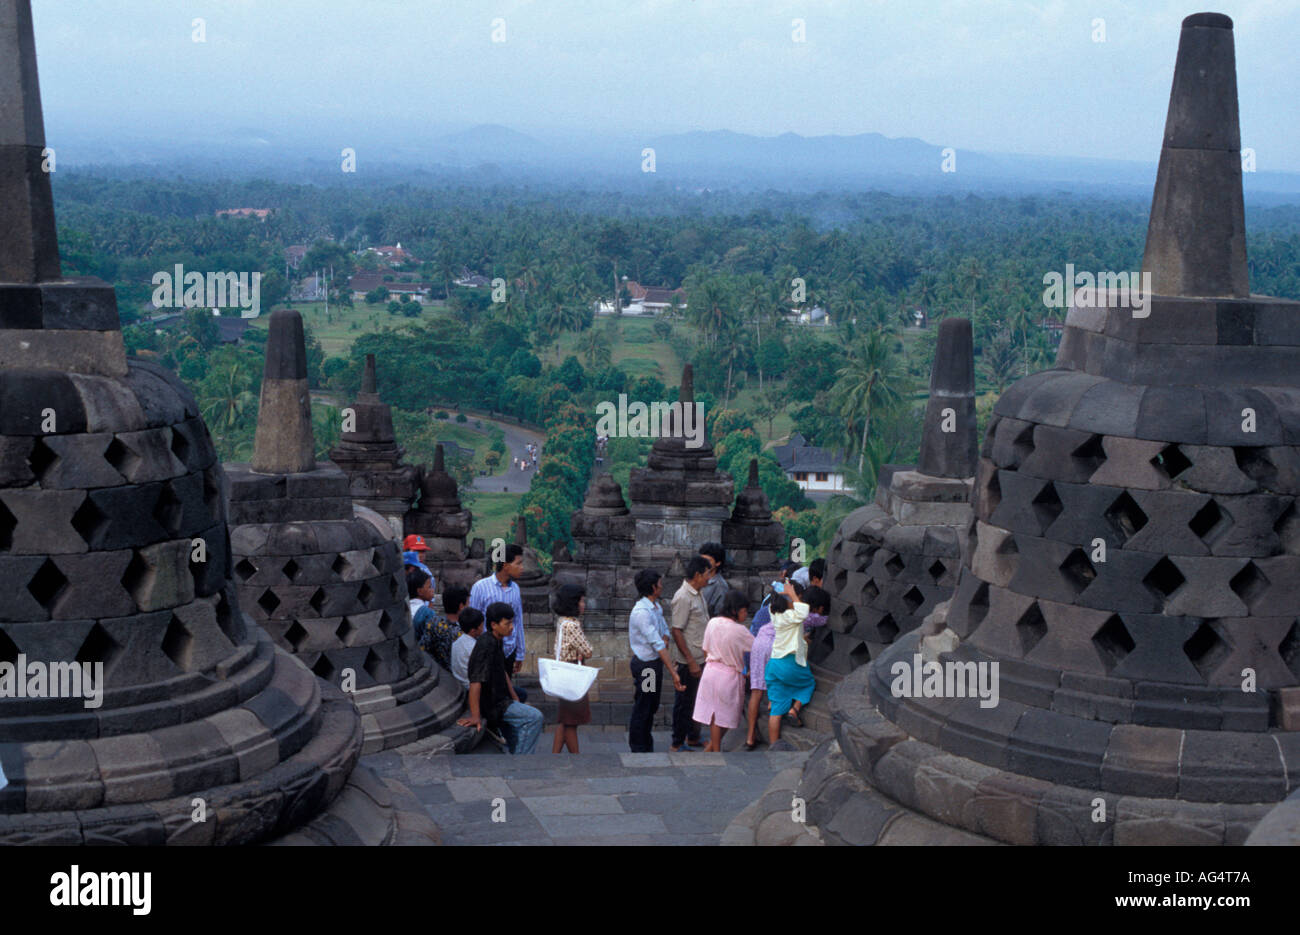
point(715, 159)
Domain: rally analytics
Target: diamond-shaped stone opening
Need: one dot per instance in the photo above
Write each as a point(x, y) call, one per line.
point(122, 458)
point(296, 636)
point(168, 511)
point(887, 629)
point(7, 526)
point(1090, 455)
point(180, 446)
point(936, 570)
point(1257, 465)
point(894, 566)
point(1047, 506)
point(346, 631)
point(913, 599)
point(1126, 516)
point(230, 622)
point(1078, 571)
point(268, 602)
point(992, 494)
point(339, 565)
point(1024, 444)
point(323, 668)
point(90, 522)
point(47, 585)
point(990, 432)
point(395, 587)
point(1030, 628)
point(386, 624)
point(8, 649)
point(979, 605)
point(1287, 528)
point(98, 646)
point(137, 574)
point(1249, 584)
point(1209, 522)
point(1113, 641)
point(374, 665)
point(859, 655)
point(41, 458)
point(291, 569)
point(1206, 649)
point(848, 619)
point(1171, 461)
point(1164, 578)
point(364, 594)
point(1288, 649)
point(212, 493)
point(820, 645)
point(870, 591)
point(318, 600)
point(178, 644)
point(245, 569)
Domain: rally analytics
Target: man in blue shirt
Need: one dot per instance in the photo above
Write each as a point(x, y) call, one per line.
point(647, 632)
point(500, 586)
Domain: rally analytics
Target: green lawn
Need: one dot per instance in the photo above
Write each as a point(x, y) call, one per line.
point(494, 514)
point(337, 332)
point(638, 351)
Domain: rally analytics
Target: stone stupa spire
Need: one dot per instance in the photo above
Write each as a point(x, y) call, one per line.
point(284, 443)
point(952, 386)
point(1196, 237)
point(29, 245)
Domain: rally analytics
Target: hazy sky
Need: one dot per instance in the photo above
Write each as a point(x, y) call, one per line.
point(999, 75)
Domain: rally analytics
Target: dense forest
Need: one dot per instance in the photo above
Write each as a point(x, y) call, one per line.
point(871, 260)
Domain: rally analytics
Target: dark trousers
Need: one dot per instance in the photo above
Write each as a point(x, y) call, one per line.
point(685, 727)
point(510, 671)
point(644, 704)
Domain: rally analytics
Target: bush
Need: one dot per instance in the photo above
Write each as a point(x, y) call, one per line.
point(440, 414)
point(461, 417)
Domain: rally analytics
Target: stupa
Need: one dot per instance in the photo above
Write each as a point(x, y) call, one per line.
point(891, 562)
point(1136, 574)
point(326, 584)
point(752, 539)
point(681, 499)
point(444, 524)
point(371, 458)
point(534, 587)
point(604, 531)
point(114, 553)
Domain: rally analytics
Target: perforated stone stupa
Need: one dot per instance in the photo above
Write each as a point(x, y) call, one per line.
point(1164, 678)
point(114, 552)
point(444, 524)
point(752, 539)
point(604, 531)
point(327, 585)
point(893, 561)
point(371, 458)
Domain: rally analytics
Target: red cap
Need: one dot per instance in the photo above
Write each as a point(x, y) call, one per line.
point(414, 543)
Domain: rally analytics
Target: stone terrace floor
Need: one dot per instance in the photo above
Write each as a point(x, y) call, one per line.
point(604, 795)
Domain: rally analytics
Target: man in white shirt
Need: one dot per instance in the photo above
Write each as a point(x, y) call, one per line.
point(471, 628)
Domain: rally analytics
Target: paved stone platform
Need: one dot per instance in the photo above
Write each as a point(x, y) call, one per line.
point(604, 795)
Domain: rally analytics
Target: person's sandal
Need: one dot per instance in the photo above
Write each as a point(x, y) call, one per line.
point(793, 719)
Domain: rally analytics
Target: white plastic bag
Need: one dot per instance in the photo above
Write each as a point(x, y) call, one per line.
point(568, 681)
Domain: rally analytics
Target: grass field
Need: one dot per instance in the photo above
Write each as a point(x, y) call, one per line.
point(337, 332)
point(638, 351)
point(493, 513)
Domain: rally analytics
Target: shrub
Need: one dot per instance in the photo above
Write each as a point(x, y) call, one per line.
point(461, 417)
point(440, 414)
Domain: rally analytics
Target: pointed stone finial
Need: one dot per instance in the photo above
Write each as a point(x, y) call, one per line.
point(1196, 237)
point(521, 531)
point(753, 473)
point(439, 458)
point(368, 376)
point(29, 245)
point(284, 443)
point(949, 442)
point(687, 394)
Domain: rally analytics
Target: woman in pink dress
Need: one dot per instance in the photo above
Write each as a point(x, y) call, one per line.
point(721, 697)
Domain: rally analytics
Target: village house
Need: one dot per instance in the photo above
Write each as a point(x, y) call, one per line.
point(259, 213)
point(394, 255)
point(363, 283)
point(645, 300)
point(816, 470)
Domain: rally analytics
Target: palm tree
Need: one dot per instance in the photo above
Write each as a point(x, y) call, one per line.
point(999, 360)
point(595, 348)
point(234, 399)
point(866, 383)
point(709, 311)
point(758, 305)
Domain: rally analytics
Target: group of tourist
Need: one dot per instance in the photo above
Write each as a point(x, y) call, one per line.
point(720, 659)
point(529, 459)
